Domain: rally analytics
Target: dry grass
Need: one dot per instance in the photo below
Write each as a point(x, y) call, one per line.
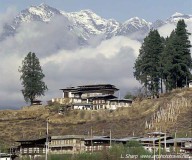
point(30, 122)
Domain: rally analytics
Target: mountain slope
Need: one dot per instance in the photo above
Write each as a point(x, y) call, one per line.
point(30, 122)
point(85, 24)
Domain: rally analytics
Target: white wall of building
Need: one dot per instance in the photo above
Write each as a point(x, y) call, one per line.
point(81, 107)
point(190, 84)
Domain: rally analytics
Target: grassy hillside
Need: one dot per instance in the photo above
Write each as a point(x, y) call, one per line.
point(30, 122)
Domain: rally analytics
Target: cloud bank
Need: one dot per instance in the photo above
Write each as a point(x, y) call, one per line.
point(7, 17)
point(64, 63)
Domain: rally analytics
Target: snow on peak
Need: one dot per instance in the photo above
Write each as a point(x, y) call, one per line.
point(177, 14)
point(87, 11)
point(89, 21)
point(43, 12)
point(44, 5)
point(134, 19)
point(137, 22)
point(87, 14)
point(86, 23)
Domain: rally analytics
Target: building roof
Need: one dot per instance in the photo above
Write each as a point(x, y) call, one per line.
point(107, 138)
point(101, 86)
point(129, 138)
point(150, 139)
point(102, 97)
point(156, 133)
point(32, 140)
point(92, 88)
point(178, 140)
point(97, 138)
point(69, 89)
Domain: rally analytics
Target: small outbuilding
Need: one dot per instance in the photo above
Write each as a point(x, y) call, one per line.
point(36, 102)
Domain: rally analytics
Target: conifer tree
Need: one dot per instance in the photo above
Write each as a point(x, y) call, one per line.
point(32, 78)
point(177, 58)
point(182, 50)
point(169, 76)
point(147, 65)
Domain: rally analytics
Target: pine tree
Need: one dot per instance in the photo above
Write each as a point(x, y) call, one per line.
point(182, 50)
point(32, 78)
point(161, 62)
point(169, 73)
point(147, 65)
point(177, 58)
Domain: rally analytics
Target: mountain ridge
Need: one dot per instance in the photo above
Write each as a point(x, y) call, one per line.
point(87, 24)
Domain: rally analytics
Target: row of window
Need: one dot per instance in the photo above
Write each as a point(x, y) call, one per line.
point(70, 141)
point(89, 148)
point(33, 150)
point(98, 101)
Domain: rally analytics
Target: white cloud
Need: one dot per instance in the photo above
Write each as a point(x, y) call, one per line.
point(64, 63)
point(110, 61)
point(41, 38)
point(9, 82)
point(189, 29)
point(7, 17)
point(166, 29)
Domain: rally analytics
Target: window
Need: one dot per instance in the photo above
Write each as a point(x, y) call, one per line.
point(36, 150)
point(30, 150)
point(43, 150)
point(25, 150)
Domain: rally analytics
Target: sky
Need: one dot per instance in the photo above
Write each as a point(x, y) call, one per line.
point(108, 61)
point(121, 10)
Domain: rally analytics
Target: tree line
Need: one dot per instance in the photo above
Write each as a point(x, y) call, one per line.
point(164, 62)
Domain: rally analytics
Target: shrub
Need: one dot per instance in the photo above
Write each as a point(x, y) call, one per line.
point(135, 148)
point(59, 157)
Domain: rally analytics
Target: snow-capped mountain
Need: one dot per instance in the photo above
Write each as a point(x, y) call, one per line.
point(91, 24)
point(85, 24)
point(133, 25)
point(45, 14)
point(89, 21)
point(178, 16)
point(42, 12)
